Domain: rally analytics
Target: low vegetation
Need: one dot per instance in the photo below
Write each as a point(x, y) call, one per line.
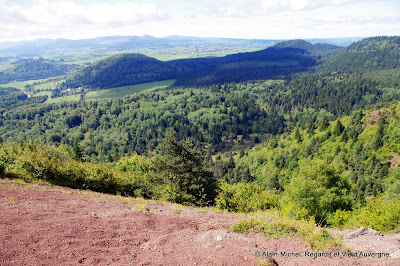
point(273, 224)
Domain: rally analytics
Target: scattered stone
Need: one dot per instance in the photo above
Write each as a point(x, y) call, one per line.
point(363, 231)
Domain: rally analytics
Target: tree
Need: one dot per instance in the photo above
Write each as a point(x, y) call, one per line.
point(324, 124)
point(184, 171)
point(378, 138)
point(310, 126)
point(339, 128)
point(78, 155)
point(297, 136)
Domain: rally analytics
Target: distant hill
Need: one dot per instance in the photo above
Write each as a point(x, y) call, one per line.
point(318, 49)
point(275, 62)
point(34, 69)
point(121, 70)
point(369, 54)
point(129, 69)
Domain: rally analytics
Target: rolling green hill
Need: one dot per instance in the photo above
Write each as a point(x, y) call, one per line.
point(121, 70)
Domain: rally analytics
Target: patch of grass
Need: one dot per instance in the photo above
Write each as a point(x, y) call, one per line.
point(273, 225)
point(10, 200)
point(69, 98)
point(140, 207)
point(266, 262)
point(21, 84)
point(282, 63)
point(177, 209)
point(47, 86)
point(43, 93)
point(126, 90)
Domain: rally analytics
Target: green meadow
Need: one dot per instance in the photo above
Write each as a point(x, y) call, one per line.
point(114, 92)
point(69, 98)
point(45, 84)
point(126, 90)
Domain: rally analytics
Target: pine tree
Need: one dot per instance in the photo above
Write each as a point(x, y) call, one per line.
point(77, 151)
point(339, 128)
point(297, 136)
point(184, 168)
point(378, 139)
point(324, 124)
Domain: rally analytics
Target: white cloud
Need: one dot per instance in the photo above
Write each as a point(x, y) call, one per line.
point(51, 17)
point(32, 19)
point(10, 13)
point(252, 8)
point(61, 12)
point(354, 19)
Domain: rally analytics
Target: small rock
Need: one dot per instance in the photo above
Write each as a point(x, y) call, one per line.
point(363, 231)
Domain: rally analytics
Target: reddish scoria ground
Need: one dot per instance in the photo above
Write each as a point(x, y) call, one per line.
point(51, 225)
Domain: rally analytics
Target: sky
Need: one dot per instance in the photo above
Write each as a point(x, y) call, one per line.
point(246, 19)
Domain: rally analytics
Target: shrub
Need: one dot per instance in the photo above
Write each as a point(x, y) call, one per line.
point(319, 188)
point(245, 197)
point(376, 215)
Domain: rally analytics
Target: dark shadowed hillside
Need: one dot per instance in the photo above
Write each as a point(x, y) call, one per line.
point(271, 63)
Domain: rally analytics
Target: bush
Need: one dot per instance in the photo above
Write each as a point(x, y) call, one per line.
point(245, 197)
point(319, 189)
point(376, 215)
point(39, 161)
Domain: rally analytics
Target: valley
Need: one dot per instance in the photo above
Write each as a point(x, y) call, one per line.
point(279, 133)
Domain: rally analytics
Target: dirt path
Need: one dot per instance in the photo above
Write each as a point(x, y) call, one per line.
point(50, 225)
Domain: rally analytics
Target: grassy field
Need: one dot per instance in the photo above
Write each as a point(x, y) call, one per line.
point(126, 90)
point(44, 86)
point(69, 98)
point(42, 93)
point(237, 65)
point(114, 92)
point(19, 84)
point(47, 86)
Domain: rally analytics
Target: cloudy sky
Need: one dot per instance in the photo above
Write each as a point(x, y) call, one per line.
point(261, 19)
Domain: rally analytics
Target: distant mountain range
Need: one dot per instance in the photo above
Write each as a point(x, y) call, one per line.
point(41, 46)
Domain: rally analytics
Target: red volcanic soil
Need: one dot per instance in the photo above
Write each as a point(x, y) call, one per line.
point(50, 225)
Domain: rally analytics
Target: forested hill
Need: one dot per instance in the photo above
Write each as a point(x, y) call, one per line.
point(276, 62)
point(272, 63)
point(34, 69)
point(121, 70)
point(371, 54)
point(318, 49)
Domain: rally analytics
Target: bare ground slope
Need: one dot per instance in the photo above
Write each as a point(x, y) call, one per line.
point(50, 225)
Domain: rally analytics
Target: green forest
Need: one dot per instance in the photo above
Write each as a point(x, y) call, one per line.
point(35, 69)
point(309, 130)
